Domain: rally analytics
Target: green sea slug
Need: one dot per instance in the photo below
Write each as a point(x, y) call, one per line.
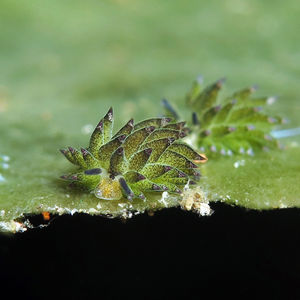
point(138, 159)
point(236, 124)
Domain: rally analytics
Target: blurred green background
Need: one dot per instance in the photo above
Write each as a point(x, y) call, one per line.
point(63, 63)
point(59, 55)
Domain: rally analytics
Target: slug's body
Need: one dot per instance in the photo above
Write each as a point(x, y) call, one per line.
point(235, 124)
point(141, 158)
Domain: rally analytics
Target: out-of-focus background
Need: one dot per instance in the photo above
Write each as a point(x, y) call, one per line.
point(64, 63)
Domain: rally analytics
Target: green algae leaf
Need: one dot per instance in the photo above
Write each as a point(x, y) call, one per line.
point(143, 167)
point(47, 81)
point(30, 173)
point(266, 181)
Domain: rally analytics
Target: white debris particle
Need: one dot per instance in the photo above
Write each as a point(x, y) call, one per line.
point(5, 166)
point(2, 213)
point(271, 100)
point(92, 210)
point(73, 211)
point(127, 214)
point(67, 196)
point(2, 179)
point(204, 209)
point(122, 204)
point(99, 206)
point(12, 226)
point(87, 129)
point(5, 158)
point(163, 198)
point(27, 224)
point(195, 199)
point(239, 163)
point(282, 204)
point(19, 227)
point(60, 210)
point(250, 152)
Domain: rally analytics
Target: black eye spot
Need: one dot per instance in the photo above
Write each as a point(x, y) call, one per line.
point(96, 171)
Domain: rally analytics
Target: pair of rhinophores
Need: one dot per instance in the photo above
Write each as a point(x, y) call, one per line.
point(151, 156)
point(146, 157)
